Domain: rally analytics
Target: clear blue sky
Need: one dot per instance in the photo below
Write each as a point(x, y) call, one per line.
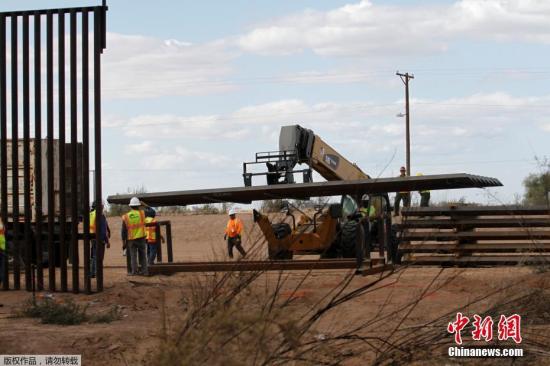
point(192, 89)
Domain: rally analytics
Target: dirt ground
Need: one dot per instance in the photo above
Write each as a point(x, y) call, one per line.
point(132, 340)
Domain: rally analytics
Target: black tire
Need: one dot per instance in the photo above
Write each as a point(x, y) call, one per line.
point(351, 239)
point(281, 231)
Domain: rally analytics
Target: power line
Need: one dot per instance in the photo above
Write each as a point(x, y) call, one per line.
point(321, 77)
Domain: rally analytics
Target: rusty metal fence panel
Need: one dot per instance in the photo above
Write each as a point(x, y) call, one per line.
point(50, 173)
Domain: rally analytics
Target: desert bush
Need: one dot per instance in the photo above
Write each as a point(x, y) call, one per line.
point(207, 209)
point(173, 210)
point(50, 311)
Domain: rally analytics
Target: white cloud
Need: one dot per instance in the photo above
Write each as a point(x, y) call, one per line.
point(179, 157)
point(160, 157)
point(142, 67)
point(482, 115)
point(369, 29)
point(140, 148)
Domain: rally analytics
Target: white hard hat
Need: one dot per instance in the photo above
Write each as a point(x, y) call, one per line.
point(134, 202)
point(232, 211)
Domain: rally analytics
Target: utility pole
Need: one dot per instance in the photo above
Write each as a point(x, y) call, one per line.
point(405, 79)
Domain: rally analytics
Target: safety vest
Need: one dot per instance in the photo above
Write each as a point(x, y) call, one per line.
point(151, 231)
point(371, 211)
point(2, 237)
point(424, 191)
point(234, 227)
point(135, 224)
point(92, 222)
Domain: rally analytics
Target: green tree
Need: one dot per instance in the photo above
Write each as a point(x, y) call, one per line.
point(537, 188)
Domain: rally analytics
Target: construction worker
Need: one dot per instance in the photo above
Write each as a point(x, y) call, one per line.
point(405, 196)
point(424, 195)
point(369, 218)
point(367, 210)
point(151, 236)
point(104, 234)
point(233, 231)
point(2, 249)
point(133, 234)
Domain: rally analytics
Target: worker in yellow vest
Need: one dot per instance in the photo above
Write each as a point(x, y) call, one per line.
point(369, 216)
point(2, 249)
point(133, 234)
point(401, 196)
point(151, 236)
point(424, 195)
point(104, 234)
point(233, 231)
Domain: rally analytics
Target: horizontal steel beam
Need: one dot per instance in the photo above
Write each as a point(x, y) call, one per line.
point(51, 11)
point(170, 268)
point(475, 223)
point(475, 211)
point(478, 260)
point(477, 247)
point(306, 190)
point(526, 234)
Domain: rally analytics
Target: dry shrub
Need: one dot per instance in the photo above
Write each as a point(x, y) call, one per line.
point(50, 311)
point(237, 319)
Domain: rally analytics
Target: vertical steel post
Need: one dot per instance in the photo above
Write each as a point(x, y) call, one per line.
point(158, 242)
point(99, 39)
point(85, 187)
point(3, 143)
point(74, 151)
point(26, 154)
point(38, 151)
point(159, 248)
point(169, 242)
point(64, 164)
point(15, 153)
point(62, 158)
point(52, 250)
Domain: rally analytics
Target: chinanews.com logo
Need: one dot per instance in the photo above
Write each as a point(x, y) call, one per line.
point(508, 328)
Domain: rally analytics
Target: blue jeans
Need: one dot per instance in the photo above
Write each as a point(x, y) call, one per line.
point(152, 250)
point(93, 258)
point(137, 250)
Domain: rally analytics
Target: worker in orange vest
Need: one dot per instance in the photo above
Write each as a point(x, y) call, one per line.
point(233, 232)
point(151, 236)
point(2, 249)
point(133, 234)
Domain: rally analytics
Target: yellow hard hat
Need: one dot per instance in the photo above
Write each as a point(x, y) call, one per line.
point(419, 174)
